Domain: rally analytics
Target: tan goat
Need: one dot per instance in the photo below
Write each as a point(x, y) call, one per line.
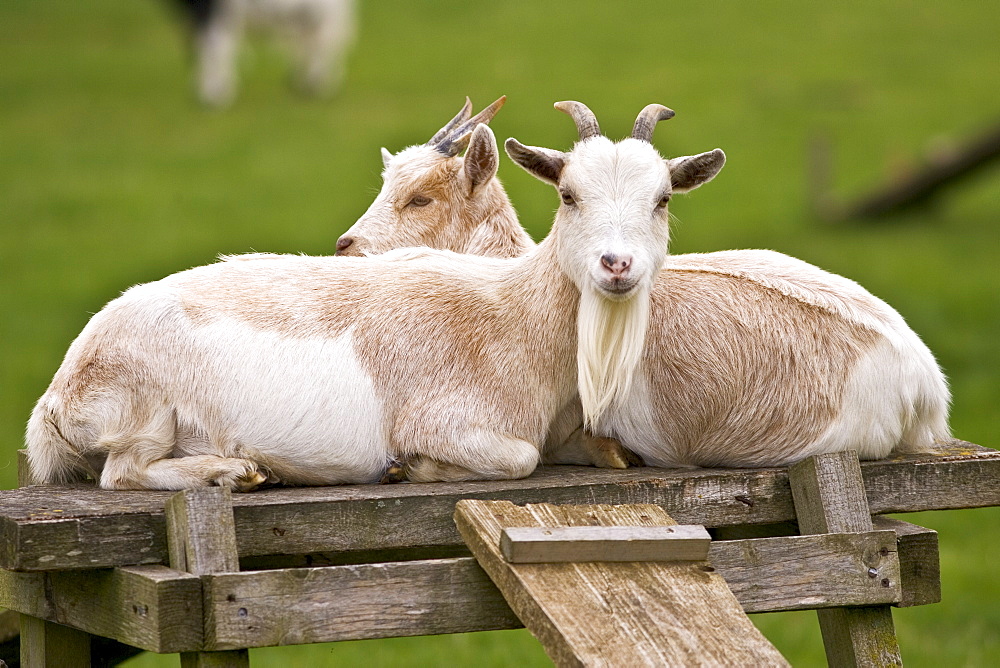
point(752, 357)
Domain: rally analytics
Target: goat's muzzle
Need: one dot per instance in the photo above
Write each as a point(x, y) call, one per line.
point(616, 278)
point(344, 246)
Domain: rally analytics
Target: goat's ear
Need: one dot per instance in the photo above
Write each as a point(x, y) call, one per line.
point(543, 163)
point(482, 158)
point(690, 171)
point(386, 157)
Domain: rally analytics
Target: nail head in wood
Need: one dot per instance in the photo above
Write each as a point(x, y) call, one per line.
point(525, 545)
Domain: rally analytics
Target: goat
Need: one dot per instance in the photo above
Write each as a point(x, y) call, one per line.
point(433, 197)
point(755, 358)
point(324, 370)
point(322, 32)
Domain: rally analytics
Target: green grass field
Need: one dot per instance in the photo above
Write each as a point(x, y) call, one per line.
point(110, 175)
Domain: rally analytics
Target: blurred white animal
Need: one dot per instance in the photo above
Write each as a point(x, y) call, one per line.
point(320, 30)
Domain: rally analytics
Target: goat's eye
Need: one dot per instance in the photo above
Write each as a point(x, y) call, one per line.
point(567, 198)
point(663, 201)
point(419, 200)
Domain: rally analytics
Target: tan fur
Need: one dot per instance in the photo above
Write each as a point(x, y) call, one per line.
point(748, 359)
point(459, 218)
point(785, 363)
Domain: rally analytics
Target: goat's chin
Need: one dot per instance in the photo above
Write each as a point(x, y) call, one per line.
point(618, 291)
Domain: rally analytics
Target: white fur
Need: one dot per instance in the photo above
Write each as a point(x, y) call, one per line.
point(321, 370)
point(894, 399)
point(611, 336)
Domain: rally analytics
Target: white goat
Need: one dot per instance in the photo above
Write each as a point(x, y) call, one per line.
point(325, 370)
point(752, 358)
point(320, 30)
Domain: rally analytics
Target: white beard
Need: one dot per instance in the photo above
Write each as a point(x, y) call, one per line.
point(610, 339)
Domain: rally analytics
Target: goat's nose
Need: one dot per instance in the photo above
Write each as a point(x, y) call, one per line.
point(617, 265)
point(343, 243)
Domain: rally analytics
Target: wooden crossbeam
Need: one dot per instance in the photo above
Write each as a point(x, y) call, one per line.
point(159, 608)
point(623, 613)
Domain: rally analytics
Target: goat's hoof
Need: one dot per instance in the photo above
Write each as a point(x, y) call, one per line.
point(395, 473)
point(250, 481)
point(632, 458)
point(245, 480)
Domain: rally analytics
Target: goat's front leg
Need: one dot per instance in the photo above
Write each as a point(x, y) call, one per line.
point(569, 443)
point(480, 455)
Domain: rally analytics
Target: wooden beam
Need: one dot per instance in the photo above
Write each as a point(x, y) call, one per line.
point(74, 527)
point(201, 538)
point(24, 476)
point(354, 602)
point(158, 608)
point(919, 561)
point(526, 545)
point(49, 645)
point(830, 497)
point(631, 613)
point(151, 607)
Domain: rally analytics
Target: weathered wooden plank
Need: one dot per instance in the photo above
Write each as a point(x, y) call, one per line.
point(201, 533)
point(527, 545)
point(201, 539)
point(454, 595)
point(919, 561)
point(829, 497)
point(24, 476)
point(48, 645)
point(82, 527)
point(303, 605)
point(152, 607)
point(810, 572)
point(628, 613)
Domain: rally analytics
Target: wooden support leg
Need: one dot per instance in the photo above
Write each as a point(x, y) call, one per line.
point(829, 496)
point(49, 645)
point(201, 539)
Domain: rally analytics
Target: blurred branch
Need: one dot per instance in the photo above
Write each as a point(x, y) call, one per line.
point(943, 167)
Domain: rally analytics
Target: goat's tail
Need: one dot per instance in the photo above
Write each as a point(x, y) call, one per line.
point(53, 458)
point(927, 427)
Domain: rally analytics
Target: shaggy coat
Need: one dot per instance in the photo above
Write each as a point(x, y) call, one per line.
point(751, 357)
point(326, 370)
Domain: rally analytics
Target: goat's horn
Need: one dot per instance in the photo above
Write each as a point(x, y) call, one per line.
point(458, 138)
point(586, 122)
point(460, 118)
point(647, 120)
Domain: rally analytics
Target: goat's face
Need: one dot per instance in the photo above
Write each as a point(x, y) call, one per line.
point(430, 196)
point(414, 207)
point(612, 221)
point(612, 225)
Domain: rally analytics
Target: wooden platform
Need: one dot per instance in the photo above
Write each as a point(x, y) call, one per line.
point(47, 528)
point(317, 564)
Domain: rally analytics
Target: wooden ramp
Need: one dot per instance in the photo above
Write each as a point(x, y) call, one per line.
point(607, 613)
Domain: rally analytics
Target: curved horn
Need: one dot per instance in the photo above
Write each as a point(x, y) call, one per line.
point(461, 117)
point(458, 137)
point(647, 120)
point(586, 122)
